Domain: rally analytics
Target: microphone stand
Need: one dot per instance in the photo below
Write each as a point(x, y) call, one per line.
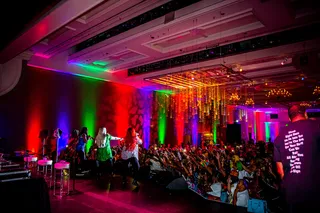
point(57, 151)
point(74, 171)
point(43, 144)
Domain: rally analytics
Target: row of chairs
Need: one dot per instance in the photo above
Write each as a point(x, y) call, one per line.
point(61, 173)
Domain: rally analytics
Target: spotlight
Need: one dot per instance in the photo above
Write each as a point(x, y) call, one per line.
point(240, 70)
point(192, 78)
point(282, 63)
point(228, 76)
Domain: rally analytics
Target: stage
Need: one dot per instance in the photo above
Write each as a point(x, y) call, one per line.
point(100, 196)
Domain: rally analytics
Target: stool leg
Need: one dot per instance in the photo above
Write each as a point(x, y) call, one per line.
point(50, 177)
point(61, 183)
point(45, 171)
point(69, 181)
point(54, 182)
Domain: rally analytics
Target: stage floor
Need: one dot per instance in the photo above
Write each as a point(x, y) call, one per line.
point(101, 196)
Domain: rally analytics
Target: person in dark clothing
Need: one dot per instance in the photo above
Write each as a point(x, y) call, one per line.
point(297, 157)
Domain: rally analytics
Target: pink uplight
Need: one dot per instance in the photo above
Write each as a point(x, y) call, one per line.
point(42, 55)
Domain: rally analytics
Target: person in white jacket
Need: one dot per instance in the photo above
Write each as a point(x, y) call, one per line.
point(130, 154)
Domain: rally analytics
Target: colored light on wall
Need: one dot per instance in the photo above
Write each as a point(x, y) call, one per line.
point(100, 63)
point(89, 77)
point(214, 131)
point(91, 67)
point(33, 129)
point(267, 130)
point(179, 120)
point(122, 109)
point(162, 119)
point(147, 96)
point(42, 55)
point(259, 128)
point(88, 108)
point(70, 73)
point(272, 130)
point(165, 91)
point(63, 120)
point(194, 130)
point(34, 120)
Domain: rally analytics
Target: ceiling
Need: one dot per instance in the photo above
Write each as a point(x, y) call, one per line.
point(29, 12)
point(118, 35)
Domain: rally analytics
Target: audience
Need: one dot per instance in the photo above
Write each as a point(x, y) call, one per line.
point(231, 174)
point(226, 173)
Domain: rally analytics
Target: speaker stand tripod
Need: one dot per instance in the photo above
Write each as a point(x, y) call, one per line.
point(74, 191)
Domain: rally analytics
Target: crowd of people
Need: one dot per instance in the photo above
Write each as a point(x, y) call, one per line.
point(230, 173)
point(219, 172)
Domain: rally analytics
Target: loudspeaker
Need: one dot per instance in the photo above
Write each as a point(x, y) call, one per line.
point(233, 133)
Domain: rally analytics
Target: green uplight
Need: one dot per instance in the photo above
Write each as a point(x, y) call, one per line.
point(169, 92)
point(100, 63)
point(90, 77)
point(89, 91)
point(91, 67)
point(214, 131)
point(267, 130)
point(162, 120)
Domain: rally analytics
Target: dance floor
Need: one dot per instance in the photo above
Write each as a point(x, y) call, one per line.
point(103, 196)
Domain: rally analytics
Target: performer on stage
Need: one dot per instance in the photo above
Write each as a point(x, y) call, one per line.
point(70, 152)
point(53, 144)
point(80, 148)
point(130, 154)
point(104, 153)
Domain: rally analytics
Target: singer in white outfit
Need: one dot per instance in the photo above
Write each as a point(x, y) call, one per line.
point(130, 154)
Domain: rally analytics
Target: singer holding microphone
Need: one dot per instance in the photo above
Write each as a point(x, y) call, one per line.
point(80, 148)
point(130, 154)
point(104, 153)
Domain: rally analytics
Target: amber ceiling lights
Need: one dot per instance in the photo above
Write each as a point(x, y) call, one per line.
point(234, 97)
point(304, 104)
point(316, 90)
point(278, 93)
point(249, 102)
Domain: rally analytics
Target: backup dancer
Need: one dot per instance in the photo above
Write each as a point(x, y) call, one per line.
point(104, 153)
point(130, 154)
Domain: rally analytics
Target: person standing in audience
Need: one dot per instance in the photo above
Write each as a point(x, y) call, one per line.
point(80, 148)
point(130, 154)
point(297, 157)
point(104, 153)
